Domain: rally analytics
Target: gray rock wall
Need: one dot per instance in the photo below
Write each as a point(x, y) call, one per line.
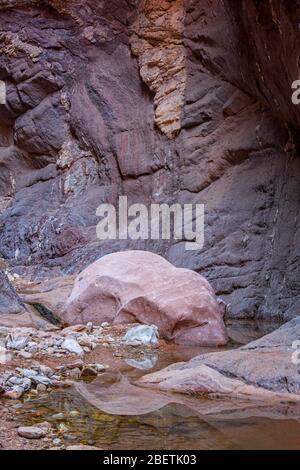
point(9, 301)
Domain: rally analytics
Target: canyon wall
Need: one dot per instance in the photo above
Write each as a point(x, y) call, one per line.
point(165, 101)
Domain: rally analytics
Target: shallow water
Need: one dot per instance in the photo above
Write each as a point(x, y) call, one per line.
point(175, 422)
point(173, 427)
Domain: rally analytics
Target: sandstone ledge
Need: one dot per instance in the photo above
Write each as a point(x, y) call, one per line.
point(263, 370)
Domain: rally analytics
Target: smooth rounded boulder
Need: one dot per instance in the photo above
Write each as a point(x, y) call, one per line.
point(142, 287)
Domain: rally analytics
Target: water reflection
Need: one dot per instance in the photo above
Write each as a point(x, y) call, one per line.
point(112, 413)
point(175, 426)
point(145, 363)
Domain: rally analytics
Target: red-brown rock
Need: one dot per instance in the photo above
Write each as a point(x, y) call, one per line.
point(139, 286)
point(265, 369)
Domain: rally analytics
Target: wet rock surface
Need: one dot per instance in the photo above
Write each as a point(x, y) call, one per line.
point(33, 432)
point(268, 366)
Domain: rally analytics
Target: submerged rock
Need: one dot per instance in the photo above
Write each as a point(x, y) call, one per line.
point(82, 447)
point(141, 287)
point(14, 393)
point(144, 363)
point(33, 432)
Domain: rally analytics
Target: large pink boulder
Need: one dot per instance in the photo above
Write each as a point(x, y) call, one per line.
point(141, 287)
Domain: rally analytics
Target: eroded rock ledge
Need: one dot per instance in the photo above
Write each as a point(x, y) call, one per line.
point(264, 369)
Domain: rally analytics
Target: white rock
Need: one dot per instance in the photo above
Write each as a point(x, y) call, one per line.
point(32, 347)
point(58, 417)
point(29, 373)
point(41, 379)
point(15, 393)
point(100, 367)
point(17, 342)
point(45, 370)
point(56, 441)
point(72, 346)
point(14, 381)
point(142, 334)
point(26, 384)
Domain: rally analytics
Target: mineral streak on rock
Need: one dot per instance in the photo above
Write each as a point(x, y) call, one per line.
point(157, 42)
point(11, 44)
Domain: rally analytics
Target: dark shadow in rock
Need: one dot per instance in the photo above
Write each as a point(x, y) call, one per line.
point(46, 313)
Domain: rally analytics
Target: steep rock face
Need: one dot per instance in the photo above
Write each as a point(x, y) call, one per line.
point(234, 159)
point(9, 301)
point(72, 140)
point(266, 33)
point(78, 128)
